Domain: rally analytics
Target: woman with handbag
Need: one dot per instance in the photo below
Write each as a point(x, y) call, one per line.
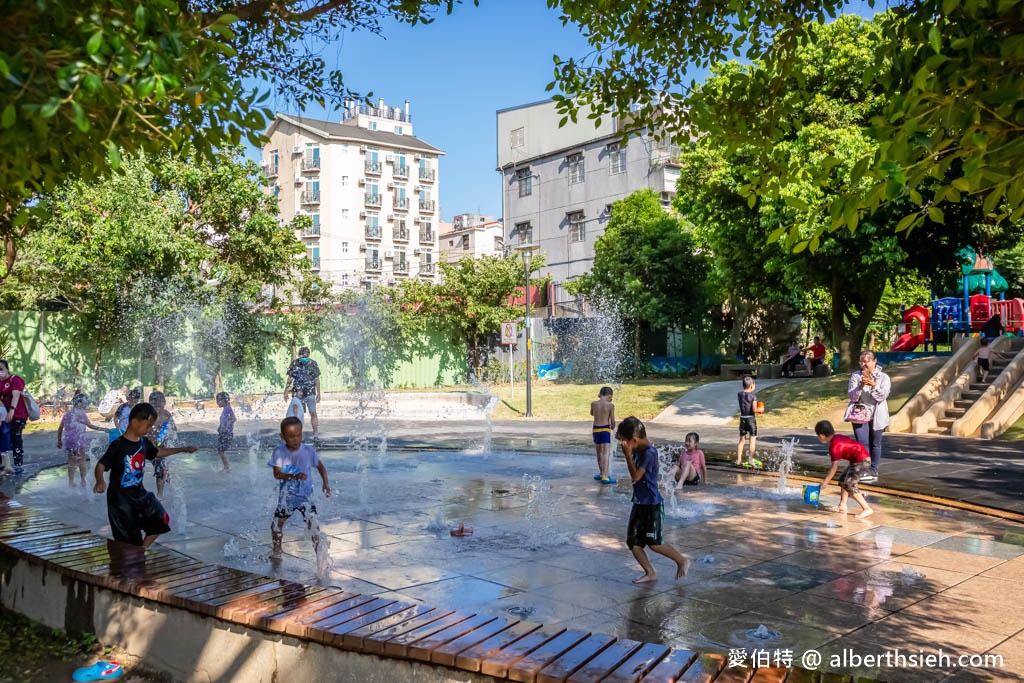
point(868, 411)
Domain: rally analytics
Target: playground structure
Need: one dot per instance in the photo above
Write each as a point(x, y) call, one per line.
point(965, 314)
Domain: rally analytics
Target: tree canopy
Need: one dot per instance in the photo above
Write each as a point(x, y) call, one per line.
point(81, 83)
point(952, 120)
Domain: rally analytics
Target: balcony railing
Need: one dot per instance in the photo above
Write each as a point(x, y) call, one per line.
point(270, 170)
point(426, 269)
point(427, 205)
point(401, 203)
point(400, 234)
point(401, 171)
point(372, 231)
point(401, 267)
point(311, 164)
point(428, 174)
point(313, 231)
point(372, 199)
point(427, 236)
point(373, 265)
point(373, 167)
point(311, 197)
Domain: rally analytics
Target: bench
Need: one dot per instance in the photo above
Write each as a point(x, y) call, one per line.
point(738, 370)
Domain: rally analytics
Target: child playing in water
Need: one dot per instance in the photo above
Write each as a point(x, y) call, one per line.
point(162, 433)
point(293, 463)
point(648, 511)
point(71, 437)
point(748, 419)
point(842, 447)
point(135, 515)
point(226, 428)
point(692, 468)
point(603, 411)
point(120, 417)
point(295, 408)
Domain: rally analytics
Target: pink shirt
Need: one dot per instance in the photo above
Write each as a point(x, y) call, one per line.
point(696, 458)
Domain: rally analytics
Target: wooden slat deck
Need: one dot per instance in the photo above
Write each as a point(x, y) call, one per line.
point(499, 648)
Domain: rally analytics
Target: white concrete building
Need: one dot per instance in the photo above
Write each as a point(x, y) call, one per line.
point(559, 183)
point(370, 187)
point(472, 235)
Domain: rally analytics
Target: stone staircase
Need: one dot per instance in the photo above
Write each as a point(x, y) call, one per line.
point(976, 389)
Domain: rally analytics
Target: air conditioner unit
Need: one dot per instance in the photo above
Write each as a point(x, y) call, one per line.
point(297, 149)
point(417, 252)
point(362, 214)
point(362, 148)
point(299, 181)
point(362, 246)
point(362, 181)
point(391, 216)
point(391, 186)
point(417, 188)
point(390, 158)
point(389, 254)
point(417, 157)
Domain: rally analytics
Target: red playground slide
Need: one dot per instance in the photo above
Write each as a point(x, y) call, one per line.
point(908, 342)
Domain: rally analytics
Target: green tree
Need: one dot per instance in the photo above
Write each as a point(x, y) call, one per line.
point(647, 268)
point(952, 123)
point(81, 83)
point(473, 299)
point(158, 243)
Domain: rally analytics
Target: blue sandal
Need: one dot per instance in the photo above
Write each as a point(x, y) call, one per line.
point(100, 671)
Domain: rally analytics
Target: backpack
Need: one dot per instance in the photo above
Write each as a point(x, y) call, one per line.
point(31, 406)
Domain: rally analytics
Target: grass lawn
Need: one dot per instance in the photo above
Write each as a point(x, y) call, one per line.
point(644, 398)
point(1015, 432)
point(800, 404)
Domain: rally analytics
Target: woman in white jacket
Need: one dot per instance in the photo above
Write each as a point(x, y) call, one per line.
point(871, 386)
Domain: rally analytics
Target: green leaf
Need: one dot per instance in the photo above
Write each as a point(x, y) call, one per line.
point(79, 115)
point(140, 17)
point(991, 201)
point(4, 69)
point(95, 43)
point(935, 38)
point(936, 214)
point(113, 154)
point(906, 222)
point(49, 108)
point(796, 203)
point(9, 116)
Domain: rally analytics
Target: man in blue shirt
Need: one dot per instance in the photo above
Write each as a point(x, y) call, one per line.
point(648, 511)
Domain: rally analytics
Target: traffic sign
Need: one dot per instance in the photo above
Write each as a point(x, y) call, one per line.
point(509, 333)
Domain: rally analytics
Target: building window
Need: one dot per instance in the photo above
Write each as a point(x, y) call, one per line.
point(316, 223)
point(518, 137)
point(525, 180)
point(451, 244)
point(616, 159)
point(344, 214)
point(524, 232)
point(399, 130)
point(277, 190)
point(344, 181)
point(314, 256)
point(577, 226)
point(666, 199)
point(344, 247)
point(311, 158)
point(344, 279)
point(499, 244)
point(373, 125)
point(465, 243)
point(575, 163)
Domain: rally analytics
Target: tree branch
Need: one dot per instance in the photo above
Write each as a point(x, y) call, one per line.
point(258, 9)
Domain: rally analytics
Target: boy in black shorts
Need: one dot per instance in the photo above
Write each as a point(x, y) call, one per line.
point(648, 510)
point(136, 516)
point(748, 419)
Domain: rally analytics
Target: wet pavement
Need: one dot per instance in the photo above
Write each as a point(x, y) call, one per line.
point(548, 547)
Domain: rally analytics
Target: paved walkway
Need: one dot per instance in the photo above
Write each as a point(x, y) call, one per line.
point(988, 473)
point(710, 404)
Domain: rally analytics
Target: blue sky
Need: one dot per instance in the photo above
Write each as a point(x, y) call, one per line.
point(457, 72)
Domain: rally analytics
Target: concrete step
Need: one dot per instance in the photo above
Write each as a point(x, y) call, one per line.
point(955, 412)
point(938, 430)
point(963, 404)
point(946, 422)
point(979, 386)
point(971, 396)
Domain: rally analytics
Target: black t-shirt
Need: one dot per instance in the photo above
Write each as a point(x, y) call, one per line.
point(304, 375)
point(747, 401)
point(126, 462)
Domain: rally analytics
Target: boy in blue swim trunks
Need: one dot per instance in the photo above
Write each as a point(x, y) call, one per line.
point(603, 411)
point(293, 463)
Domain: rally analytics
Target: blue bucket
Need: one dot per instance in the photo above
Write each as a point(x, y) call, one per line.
point(811, 494)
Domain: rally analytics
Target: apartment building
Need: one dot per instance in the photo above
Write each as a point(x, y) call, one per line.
point(472, 235)
point(558, 183)
point(370, 188)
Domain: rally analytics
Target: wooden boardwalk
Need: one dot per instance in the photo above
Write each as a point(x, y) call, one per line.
point(506, 649)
